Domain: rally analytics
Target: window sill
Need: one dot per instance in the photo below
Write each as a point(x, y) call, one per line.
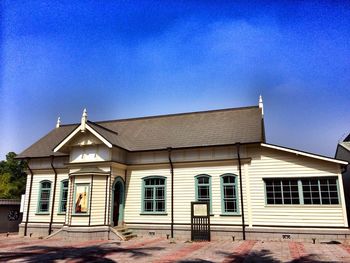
point(81, 215)
point(154, 214)
point(42, 213)
point(303, 205)
point(230, 215)
point(61, 214)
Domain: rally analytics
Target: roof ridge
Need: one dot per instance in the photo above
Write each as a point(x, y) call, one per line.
point(179, 114)
point(102, 127)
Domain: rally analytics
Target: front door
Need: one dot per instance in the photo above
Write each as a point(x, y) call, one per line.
point(118, 203)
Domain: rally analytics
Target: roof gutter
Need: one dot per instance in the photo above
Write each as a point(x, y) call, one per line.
point(54, 194)
point(29, 197)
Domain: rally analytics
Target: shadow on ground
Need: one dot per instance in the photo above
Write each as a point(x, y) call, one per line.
point(262, 256)
point(95, 253)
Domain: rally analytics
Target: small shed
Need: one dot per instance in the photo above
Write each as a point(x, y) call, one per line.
point(10, 215)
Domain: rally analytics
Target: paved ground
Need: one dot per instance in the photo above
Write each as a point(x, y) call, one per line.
point(15, 249)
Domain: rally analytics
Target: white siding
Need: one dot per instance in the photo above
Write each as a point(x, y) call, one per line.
point(98, 200)
point(58, 218)
point(33, 215)
point(269, 163)
point(134, 192)
point(90, 153)
point(184, 194)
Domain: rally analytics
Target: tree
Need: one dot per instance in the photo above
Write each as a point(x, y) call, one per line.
point(12, 177)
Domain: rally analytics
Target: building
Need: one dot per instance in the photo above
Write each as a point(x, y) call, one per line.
point(86, 179)
point(343, 153)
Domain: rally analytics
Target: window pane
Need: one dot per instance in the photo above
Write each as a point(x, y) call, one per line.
point(229, 179)
point(229, 191)
point(160, 193)
point(63, 207)
point(148, 193)
point(230, 206)
point(148, 206)
point(45, 185)
point(160, 206)
point(44, 207)
point(203, 192)
point(203, 180)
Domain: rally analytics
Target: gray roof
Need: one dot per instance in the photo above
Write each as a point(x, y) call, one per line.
point(207, 128)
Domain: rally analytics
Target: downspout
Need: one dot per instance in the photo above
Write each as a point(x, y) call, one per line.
point(54, 194)
point(172, 192)
point(125, 180)
point(29, 197)
point(241, 188)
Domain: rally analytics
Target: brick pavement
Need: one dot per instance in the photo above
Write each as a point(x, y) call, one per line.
point(160, 250)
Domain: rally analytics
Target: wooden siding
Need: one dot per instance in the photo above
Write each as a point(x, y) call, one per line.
point(268, 163)
point(33, 215)
point(134, 196)
point(184, 194)
point(98, 200)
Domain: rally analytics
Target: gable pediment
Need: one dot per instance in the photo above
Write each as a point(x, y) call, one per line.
point(81, 136)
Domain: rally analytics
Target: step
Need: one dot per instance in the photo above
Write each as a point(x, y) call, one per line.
point(130, 236)
point(124, 232)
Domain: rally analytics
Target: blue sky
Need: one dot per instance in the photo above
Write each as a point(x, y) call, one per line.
point(123, 59)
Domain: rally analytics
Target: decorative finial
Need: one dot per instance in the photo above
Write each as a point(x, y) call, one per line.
point(261, 105)
point(58, 123)
point(83, 120)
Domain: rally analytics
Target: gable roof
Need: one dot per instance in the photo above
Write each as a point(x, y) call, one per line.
point(206, 128)
point(44, 146)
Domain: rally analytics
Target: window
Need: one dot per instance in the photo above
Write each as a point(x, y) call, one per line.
point(305, 191)
point(229, 194)
point(64, 195)
point(154, 195)
point(280, 191)
point(203, 189)
point(44, 197)
point(320, 191)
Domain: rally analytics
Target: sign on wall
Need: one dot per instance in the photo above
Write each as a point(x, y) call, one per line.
point(200, 210)
point(81, 198)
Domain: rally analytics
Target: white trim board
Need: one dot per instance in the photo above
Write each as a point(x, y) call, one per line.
point(70, 136)
point(315, 156)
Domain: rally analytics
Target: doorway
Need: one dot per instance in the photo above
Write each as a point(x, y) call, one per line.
point(118, 202)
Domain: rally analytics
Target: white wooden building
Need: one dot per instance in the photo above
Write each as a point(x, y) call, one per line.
point(90, 179)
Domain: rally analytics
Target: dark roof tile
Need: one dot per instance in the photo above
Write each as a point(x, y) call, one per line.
point(208, 128)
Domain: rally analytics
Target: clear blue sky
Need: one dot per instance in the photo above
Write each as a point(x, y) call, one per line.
point(124, 59)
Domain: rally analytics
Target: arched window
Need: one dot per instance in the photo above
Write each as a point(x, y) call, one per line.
point(63, 197)
point(203, 188)
point(229, 195)
point(44, 197)
point(154, 194)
